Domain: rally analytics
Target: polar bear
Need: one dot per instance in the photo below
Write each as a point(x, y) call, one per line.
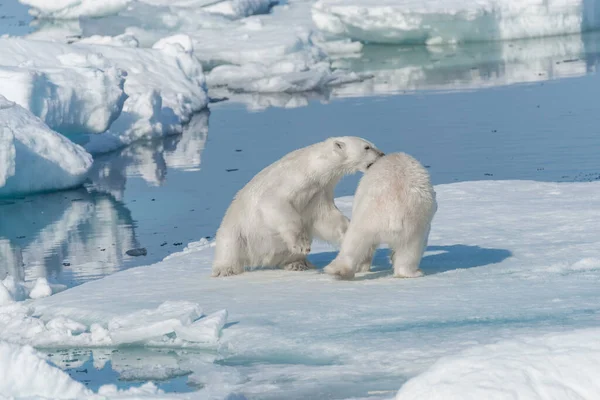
point(272, 220)
point(394, 204)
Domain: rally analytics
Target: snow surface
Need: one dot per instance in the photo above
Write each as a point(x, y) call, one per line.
point(511, 264)
point(30, 150)
point(553, 366)
point(452, 21)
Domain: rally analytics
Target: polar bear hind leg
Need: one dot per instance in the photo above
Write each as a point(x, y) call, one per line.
point(406, 255)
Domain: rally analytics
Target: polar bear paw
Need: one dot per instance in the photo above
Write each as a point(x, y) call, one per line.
point(302, 246)
point(339, 271)
point(302, 265)
point(227, 271)
point(408, 274)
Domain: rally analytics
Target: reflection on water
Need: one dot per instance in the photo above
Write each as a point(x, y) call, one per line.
point(477, 65)
point(131, 366)
point(406, 69)
point(77, 235)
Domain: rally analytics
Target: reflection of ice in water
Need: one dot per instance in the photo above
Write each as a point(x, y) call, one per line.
point(88, 233)
point(126, 367)
point(396, 69)
point(84, 234)
point(472, 66)
point(150, 160)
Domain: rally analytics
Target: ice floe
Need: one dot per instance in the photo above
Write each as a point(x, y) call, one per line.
point(171, 324)
point(502, 264)
point(162, 88)
point(35, 158)
point(453, 21)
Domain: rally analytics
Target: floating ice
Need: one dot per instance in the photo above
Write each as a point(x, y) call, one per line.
point(35, 158)
point(243, 48)
point(73, 9)
point(451, 21)
point(164, 87)
point(554, 366)
point(11, 289)
point(26, 374)
point(171, 324)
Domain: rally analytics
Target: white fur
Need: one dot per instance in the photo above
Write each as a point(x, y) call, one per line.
point(272, 220)
point(394, 204)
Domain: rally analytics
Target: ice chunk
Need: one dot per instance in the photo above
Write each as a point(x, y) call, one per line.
point(206, 330)
point(72, 9)
point(164, 86)
point(25, 374)
point(157, 327)
point(35, 158)
point(451, 21)
point(557, 366)
point(69, 99)
point(40, 289)
point(150, 324)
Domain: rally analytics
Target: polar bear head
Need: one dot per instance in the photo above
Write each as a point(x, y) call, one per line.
point(354, 153)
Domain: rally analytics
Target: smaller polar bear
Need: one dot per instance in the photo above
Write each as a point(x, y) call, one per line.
point(272, 220)
point(394, 204)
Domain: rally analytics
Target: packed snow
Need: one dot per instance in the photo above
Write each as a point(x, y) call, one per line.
point(552, 366)
point(30, 150)
point(451, 21)
point(512, 268)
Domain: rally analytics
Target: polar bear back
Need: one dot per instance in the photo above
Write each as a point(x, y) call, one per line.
point(396, 189)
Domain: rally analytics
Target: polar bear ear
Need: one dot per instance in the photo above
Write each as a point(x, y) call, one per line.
point(339, 147)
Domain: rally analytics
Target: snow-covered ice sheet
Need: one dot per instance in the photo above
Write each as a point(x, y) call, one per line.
point(79, 88)
point(35, 158)
point(506, 260)
point(452, 21)
point(552, 366)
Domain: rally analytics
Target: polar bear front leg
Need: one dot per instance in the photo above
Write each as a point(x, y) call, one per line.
point(330, 224)
point(282, 218)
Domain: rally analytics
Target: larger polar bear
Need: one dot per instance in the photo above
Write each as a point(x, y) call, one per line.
point(272, 220)
point(394, 204)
